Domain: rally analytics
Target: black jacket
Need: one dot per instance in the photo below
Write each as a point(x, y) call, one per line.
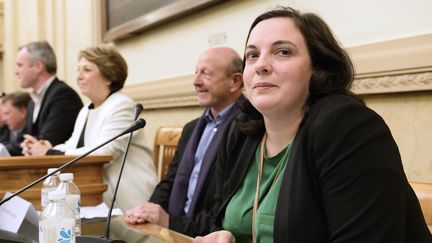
point(13, 147)
point(57, 115)
point(197, 222)
point(344, 180)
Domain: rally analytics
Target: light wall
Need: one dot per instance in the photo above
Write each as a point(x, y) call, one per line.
point(68, 26)
point(171, 50)
point(409, 116)
point(389, 40)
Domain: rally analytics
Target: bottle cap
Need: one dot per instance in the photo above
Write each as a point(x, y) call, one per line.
point(66, 176)
point(56, 195)
point(51, 170)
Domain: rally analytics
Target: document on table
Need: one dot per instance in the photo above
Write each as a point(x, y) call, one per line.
point(99, 211)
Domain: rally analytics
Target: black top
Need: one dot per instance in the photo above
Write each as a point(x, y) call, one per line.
point(344, 181)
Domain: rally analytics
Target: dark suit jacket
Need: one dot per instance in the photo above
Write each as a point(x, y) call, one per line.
point(11, 146)
point(56, 119)
point(344, 180)
point(203, 198)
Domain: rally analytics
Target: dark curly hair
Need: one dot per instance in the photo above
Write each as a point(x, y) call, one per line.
point(333, 71)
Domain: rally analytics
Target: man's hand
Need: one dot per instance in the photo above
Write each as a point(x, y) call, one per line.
point(27, 143)
point(222, 236)
point(148, 212)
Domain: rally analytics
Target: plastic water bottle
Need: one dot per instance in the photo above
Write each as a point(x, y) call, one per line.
point(50, 184)
point(73, 198)
point(57, 221)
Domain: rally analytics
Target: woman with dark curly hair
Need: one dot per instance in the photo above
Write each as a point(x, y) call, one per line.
point(308, 161)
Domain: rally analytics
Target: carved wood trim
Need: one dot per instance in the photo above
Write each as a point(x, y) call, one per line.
point(166, 93)
point(394, 83)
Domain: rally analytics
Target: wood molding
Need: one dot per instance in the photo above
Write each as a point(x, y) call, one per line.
point(393, 83)
point(51, 161)
point(156, 95)
point(166, 93)
point(401, 56)
point(402, 65)
point(18, 171)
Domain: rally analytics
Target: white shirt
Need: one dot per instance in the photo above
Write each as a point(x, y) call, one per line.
point(37, 97)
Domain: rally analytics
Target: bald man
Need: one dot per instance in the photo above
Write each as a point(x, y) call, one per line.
point(189, 186)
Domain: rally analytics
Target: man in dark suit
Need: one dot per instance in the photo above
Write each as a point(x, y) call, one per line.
point(13, 111)
point(54, 106)
point(181, 199)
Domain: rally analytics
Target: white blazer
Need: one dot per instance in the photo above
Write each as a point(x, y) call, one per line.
point(113, 116)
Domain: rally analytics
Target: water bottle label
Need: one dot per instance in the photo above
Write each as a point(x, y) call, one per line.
point(59, 230)
point(74, 202)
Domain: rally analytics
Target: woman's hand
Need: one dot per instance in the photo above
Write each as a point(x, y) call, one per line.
point(26, 145)
point(40, 148)
point(223, 236)
point(33, 147)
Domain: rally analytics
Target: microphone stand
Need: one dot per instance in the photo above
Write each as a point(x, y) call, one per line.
point(105, 237)
point(107, 226)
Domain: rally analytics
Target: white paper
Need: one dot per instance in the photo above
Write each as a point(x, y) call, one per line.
point(14, 211)
point(19, 216)
point(3, 151)
point(99, 211)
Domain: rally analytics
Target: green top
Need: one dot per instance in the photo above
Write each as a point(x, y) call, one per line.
point(238, 214)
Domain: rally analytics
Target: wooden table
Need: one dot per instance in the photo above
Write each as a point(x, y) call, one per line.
point(147, 232)
point(17, 172)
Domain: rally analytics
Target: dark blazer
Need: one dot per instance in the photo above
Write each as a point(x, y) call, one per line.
point(56, 119)
point(12, 146)
point(191, 224)
point(344, 180)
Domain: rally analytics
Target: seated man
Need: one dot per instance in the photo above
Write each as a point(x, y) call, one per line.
point(189, 185)
point(54, 107)
point(13, 111)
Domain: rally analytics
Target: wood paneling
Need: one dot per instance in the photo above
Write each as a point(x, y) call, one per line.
point(17, 172)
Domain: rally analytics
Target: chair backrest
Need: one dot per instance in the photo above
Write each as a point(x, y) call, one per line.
point(424, 194)
point(165, 146)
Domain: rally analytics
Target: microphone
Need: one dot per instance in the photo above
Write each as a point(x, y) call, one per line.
point(138, 109)
point(138, 124)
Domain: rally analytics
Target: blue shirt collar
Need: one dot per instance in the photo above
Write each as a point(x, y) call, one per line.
point(221, 115)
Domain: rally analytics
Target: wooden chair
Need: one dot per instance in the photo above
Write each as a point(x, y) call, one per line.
point(424, 194)
point(165, 146)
